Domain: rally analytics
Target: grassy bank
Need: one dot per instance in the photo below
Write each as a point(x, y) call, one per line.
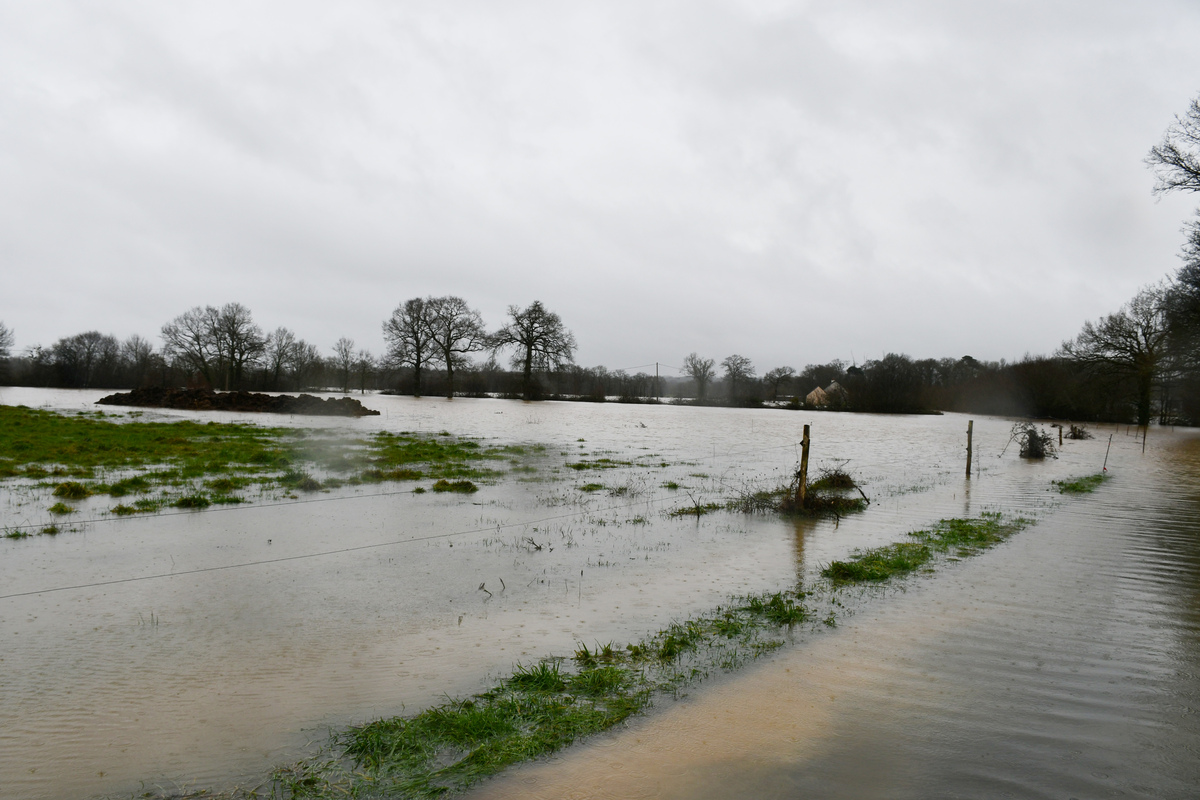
point(144, 467)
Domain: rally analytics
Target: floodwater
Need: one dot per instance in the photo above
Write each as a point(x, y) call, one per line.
point(200, 649)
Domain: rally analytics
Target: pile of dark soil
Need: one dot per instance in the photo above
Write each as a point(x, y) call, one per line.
point(208, 400)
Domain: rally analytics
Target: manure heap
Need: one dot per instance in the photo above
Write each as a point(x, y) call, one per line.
point(208, 400)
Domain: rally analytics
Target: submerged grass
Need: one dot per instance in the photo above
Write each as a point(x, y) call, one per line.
point(696, 510)
point(538, 708)
point(185, 460)
point(880, 563)
point(829, 495)
point(1084, 485)
point(961, 537)
point(462, 487)
point(542, 707)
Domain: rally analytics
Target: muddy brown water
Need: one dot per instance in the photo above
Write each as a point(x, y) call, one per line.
point(204, 648)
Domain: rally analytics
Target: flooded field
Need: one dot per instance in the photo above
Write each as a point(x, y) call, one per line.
point(200, 649)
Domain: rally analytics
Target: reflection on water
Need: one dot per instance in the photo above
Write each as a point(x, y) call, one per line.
point(1078, 635)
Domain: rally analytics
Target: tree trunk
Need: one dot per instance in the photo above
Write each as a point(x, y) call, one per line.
point(1145, 385)
point(528, 373)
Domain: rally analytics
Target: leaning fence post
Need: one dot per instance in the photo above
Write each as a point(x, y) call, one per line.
point(970, 432)
point(802, 489)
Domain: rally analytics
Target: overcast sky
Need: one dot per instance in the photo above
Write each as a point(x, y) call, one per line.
point(790, 181)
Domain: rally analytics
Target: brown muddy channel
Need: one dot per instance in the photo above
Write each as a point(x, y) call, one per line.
point(200, 649)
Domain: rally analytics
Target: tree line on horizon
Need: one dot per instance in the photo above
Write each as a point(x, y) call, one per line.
point(1139, 362)
point(223, 348)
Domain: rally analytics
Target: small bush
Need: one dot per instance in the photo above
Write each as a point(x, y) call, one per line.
point(1035, 443)
point(1078, 432)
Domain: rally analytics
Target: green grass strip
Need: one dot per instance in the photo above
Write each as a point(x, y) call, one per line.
point(1084, 485)
point(959, 537)
point(539, 708)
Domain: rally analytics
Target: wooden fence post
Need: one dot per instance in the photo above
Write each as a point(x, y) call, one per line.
point(802, 489)
point(970, 432)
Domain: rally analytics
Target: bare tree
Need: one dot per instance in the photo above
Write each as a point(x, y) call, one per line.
point(239, 342)
point(1176, 159)
point(190, 340)
point(1132, 342)
point(79, 358)
point(456, 329)
point(343, 361)
point(738, 372)
point(277, 353)
point(539, 341)
point(1176, 164)
point(701, 370)
point(6, 344)
point(139, 358)
point(304, 363)
point(821, 375)
point(364, 365)
point(410, 339)
point(776, 378)
point(220, 344)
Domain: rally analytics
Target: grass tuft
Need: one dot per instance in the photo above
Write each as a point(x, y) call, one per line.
point(464, 487)
point(779, 608)
point(540, 677)
point(196, 501)
point(880, 563)
point(72, 490)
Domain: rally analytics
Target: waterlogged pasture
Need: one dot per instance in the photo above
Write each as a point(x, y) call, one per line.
point(193, 465)
point(203, 648)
